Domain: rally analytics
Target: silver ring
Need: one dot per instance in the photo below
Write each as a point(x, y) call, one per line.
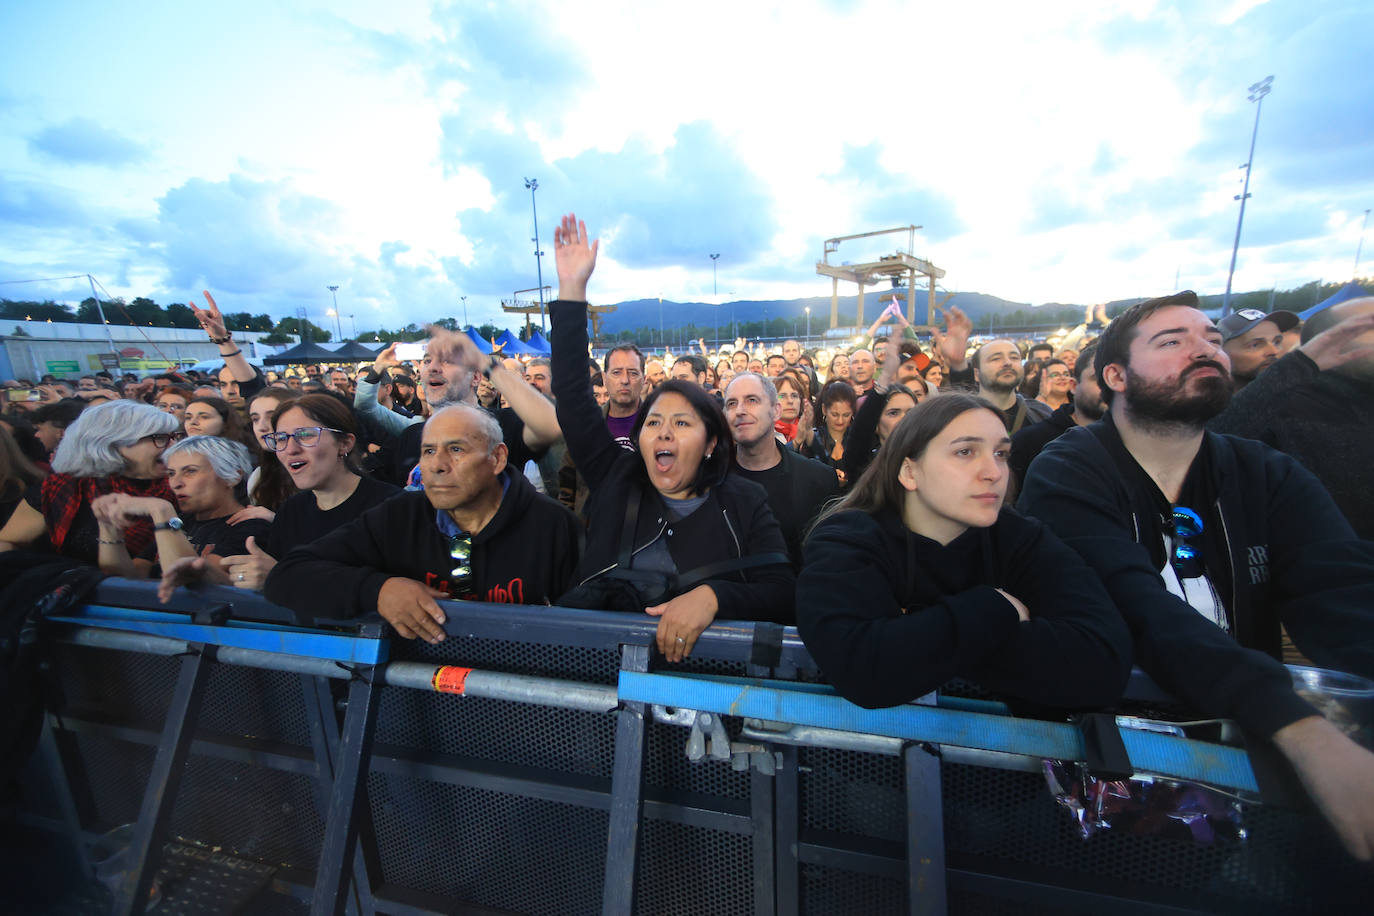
point(680, 639)
point(240, 577)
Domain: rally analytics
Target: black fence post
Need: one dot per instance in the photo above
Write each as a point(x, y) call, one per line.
point(627, 795)
point(787, 812)
point(348, 797)
point(164, 780)
point(925, 829)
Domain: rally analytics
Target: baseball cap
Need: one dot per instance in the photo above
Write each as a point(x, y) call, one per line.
point(1237, 323)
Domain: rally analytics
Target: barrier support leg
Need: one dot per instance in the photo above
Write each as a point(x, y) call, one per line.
point(348, 796)
point(55, 767)
point(786, 807)
point(627, 796)
point(164, 781)
point(925, 836)
point(324, 740)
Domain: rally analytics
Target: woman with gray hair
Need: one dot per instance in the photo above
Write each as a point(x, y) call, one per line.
point(113, 448)
point(203, 472)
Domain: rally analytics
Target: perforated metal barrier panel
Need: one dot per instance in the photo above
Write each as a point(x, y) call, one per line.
point(502, 805)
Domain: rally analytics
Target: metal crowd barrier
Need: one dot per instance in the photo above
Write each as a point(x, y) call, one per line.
point(542, 760)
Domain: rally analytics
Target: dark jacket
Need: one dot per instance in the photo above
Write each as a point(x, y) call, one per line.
point(1293, 559)
point(1029, 440)
point(801, 488)
point(890, 615)
point(524, 555)
point(1323, 419)
point(1036, 411)
point(735, 521)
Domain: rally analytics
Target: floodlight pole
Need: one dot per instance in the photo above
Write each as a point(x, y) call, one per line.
point(715, 294)
point(465, 311)
point(1257, 93)
point(533, 185)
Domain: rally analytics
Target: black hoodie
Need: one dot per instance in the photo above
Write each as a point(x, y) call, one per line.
point(524, 555)
point(890, 615)
point(1293, 559)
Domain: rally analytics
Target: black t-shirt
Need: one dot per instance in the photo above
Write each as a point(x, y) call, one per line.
point(300, 520)
point(222, 538)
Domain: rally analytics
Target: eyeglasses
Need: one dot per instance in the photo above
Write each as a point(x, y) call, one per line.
point(162, 440)
point(1187, 524)
point(460, 549)
point(1057, 375)
point(307, 436)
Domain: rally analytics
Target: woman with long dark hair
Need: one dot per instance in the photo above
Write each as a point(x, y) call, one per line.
point(920, 575)
point(671, 532)
point(215, 417)
point(826, 442)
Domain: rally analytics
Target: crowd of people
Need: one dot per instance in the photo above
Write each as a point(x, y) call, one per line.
point(1155, 489)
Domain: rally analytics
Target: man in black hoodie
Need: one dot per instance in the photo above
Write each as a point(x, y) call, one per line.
point(479, 531)
point(1207, 543)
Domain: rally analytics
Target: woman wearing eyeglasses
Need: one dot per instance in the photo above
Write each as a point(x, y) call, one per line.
point(110, 448)
point(204, 472)
point(313, 442)
point(1056, 383)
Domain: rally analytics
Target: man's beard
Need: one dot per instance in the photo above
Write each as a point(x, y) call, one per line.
point(457, 393)
point(1092, 408)
point(1166, 403)
point(1003, 387)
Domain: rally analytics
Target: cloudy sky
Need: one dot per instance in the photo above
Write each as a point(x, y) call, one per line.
point(1075, 151)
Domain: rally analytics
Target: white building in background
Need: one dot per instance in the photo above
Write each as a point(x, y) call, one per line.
point(32, 349)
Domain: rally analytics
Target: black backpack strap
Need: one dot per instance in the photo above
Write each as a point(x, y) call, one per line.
point(627, 533)
point(735, 564)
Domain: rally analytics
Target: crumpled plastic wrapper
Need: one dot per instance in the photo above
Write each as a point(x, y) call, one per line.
point(1145, 806)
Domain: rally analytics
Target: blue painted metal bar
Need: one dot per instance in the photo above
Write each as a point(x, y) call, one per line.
point(288, 641)
point(1164, 755)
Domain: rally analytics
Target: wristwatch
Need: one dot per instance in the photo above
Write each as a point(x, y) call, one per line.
point(172, 524)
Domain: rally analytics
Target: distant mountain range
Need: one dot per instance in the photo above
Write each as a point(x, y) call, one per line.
point(641, 313)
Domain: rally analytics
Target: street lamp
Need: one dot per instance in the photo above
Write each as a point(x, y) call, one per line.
point(1257, 93)
point(715, 294)
point(338, 325)
point(533, 185)
point(808, 324)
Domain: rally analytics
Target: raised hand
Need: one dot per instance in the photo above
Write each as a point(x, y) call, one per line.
point(952, 343)
point(387, 358)
point(575, 257)
point(1341, 343)
point(209, 317)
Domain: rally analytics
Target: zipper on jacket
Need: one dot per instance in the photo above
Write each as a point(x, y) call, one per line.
point(1230, 609)
point(663, 526)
